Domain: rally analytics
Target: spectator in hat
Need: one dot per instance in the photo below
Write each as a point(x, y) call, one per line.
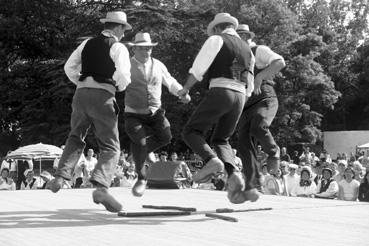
point(145, 120)
point(46, 177)
point(364, 189)
point(30, 183)
point(230, 66)
point(99, 67)
point(6, 183)
point(327, 187)
point(292, 178)
point(306, 186)
point(276, 184)
point(348, 187)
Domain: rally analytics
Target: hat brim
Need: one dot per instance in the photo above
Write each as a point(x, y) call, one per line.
point(142, 44)
point(104, 20)
point(213, 23)
point(246, 32)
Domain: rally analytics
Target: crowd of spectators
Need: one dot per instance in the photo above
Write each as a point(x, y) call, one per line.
point(303, 174)
point(319, 176)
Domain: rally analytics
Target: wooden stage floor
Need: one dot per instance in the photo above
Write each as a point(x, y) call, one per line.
point(71, 218)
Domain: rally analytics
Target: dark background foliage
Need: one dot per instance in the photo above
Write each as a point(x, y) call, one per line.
point(324, 86)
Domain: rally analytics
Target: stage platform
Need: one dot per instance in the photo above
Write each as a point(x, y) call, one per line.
point(70, 218)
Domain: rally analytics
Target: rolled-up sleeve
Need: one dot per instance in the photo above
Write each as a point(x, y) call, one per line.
point(169, 81)
point(206, 56)
point(122, 75)
point(73, 66)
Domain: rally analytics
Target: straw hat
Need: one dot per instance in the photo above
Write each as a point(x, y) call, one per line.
point(116, 17)
point(243, 28)
point(221, 18)
point(142, 39)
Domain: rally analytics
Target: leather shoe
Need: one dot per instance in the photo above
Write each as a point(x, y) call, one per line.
point(139, 187)
point(101, 195)
point(239, 197)
point(235, 185)
point(55, 184)
point(212, 167)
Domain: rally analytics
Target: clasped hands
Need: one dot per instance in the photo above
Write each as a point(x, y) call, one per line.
point(184, 96)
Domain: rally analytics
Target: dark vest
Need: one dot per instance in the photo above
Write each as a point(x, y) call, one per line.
point(233, 58)
point(326, 185)
point(96, 60)
point(267, 87)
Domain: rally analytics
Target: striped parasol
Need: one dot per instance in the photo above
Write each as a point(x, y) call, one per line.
point(36, 151)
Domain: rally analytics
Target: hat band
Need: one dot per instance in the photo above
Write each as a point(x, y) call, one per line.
point(142, 41)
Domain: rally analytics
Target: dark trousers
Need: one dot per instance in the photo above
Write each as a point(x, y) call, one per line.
point(253, 129)
point(148, 132)
point(221, 107)
point(95, 107)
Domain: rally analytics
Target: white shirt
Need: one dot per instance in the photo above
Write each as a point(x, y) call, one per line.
point(292, 182)
point(155, 68)
point(205, 58)
point(304, 190)
point(90, 164)
point(349, 189)
point(264, 56)
point(120, 56)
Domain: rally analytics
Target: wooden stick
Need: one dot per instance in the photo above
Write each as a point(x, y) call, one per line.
point(222, 217)
point(229, 210)
point(156, 213)
point(170, 208)
point(181, 213)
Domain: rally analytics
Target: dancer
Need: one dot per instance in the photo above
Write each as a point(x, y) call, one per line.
point(104, 65)
point(229, 62)
point(257, 116)
point(145, 121)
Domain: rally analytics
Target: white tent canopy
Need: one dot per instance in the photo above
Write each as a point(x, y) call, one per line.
point(363, 146)
point(36, 151)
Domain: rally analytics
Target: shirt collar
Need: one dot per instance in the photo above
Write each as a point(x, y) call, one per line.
point(146, 63)
point(110, 34)
point(230, 31)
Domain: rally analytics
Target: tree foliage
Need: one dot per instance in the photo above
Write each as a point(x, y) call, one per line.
point(323, 42)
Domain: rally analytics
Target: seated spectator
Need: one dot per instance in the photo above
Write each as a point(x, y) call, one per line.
point(263, 177)
point(284, 155)
point(364, 189)
point(129, 177)
point(6, 183)
point(284, 165)
point(359, 171)
point(276, 184)
point(219, 182)
point(348, 187)
point(163, 156)
point(80, 173)
point(317, 172)
point(327, 187)
point(306, 156)
point(306, 186)
point(295, 157)
point(46, 177)
point(292, 178)
point(237, 161)
point(341, 167)
point(30, 183)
